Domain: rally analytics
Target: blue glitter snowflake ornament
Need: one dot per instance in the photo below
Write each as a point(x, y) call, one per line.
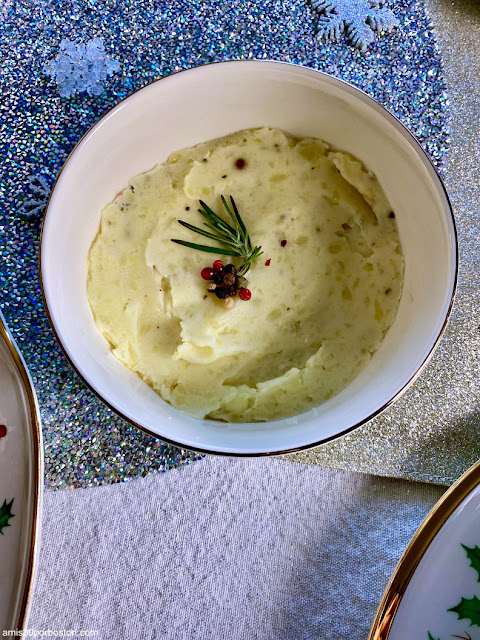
point(81, 67)
point(358, 19)
point(39, 192)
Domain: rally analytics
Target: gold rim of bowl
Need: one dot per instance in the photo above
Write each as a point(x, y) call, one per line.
point(419, 148)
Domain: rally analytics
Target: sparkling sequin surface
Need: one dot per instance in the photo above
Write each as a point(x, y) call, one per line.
point(85, 443)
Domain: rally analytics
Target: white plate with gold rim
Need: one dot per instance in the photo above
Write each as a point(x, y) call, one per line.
point(434, 593)
point(21, 484)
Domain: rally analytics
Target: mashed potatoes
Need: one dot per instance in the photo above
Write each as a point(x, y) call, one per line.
point(321, 302)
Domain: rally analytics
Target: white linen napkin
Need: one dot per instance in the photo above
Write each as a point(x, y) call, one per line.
point(225, 548)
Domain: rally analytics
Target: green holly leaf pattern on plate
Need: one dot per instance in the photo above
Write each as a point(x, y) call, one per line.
point(473, 554)
point(468, 610)
point(6, 514)
point(430, 637)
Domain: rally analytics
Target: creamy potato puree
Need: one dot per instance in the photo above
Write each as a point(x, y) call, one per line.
point(320, 307)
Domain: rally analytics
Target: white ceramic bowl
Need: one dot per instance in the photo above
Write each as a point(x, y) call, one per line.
point(212, 101)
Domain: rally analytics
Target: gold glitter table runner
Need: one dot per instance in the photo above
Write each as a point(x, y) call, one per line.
point(432, 432)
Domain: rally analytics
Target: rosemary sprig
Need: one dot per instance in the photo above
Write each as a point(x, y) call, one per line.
point(235, 240)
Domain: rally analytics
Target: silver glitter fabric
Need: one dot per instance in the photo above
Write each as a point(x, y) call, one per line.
point(85, 443)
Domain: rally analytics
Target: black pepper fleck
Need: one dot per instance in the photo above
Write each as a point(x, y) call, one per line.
point(187, 208)
point(283, 243)
point(224, 176)
point(391, 214)
point(387, 291)
point(240, 163)
point(221, 292)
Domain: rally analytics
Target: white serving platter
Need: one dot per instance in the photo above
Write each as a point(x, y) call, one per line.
point(434, 593)
point(21, 485)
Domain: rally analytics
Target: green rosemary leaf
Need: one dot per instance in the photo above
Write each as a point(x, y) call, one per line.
point(238, 216)
point(236, 241)
point(249, 260)
point(222, 234)
point(233, 217)
point(212, 217)
point(207, 234)
point(245, 235)
point(201, 247)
